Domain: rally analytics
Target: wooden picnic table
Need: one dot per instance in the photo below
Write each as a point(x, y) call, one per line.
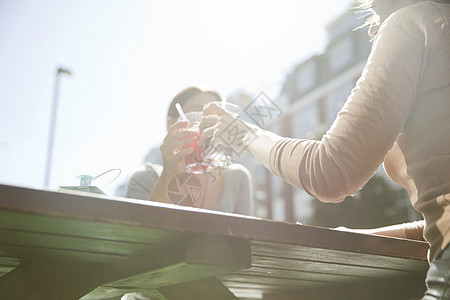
point(60, 245)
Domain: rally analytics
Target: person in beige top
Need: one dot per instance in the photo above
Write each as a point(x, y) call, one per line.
point(398, 114)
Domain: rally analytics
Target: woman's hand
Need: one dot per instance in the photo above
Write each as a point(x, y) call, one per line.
point(175, 146)
point(223, 128)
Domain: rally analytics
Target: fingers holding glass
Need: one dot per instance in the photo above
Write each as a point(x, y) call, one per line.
point(224, 130)
point(194, 162)
point(176, 142)
point(175, 128)
point(214, 108)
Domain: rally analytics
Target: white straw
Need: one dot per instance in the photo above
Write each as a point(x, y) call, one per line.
point(224, 100)
point(180, 111)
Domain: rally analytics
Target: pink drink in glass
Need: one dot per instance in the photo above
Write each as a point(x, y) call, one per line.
point(194, 161)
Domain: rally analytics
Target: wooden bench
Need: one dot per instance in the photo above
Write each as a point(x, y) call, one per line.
point(56, 245)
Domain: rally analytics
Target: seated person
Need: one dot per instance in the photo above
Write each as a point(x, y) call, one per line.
point(227, 190)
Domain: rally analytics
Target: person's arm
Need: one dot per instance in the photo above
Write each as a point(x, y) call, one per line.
point(366, 128)
point(160, 192)
point(372, 119)
point(261, 146)
point(146, 184)
point(175, 146)
point(411, 230)
point(150, 186)
point(142, 182)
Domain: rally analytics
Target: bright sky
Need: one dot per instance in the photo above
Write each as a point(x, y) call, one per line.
point(128, 59)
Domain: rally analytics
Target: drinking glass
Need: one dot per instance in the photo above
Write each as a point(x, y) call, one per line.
point(194, 162)
point(221, 155)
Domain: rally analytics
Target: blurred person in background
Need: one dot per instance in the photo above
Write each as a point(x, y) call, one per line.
point(227, 190)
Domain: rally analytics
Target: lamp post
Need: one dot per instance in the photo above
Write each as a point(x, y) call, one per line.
point(51, 137)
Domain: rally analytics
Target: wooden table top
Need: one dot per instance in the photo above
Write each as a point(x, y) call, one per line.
point(125, 245)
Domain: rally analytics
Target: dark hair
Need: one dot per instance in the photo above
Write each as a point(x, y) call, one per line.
point(186, 94)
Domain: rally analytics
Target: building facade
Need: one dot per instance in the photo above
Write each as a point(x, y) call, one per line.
point(315, 91)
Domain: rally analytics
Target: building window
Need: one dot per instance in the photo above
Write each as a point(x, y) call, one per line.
point(306, 121)
point(335, 100)
point(341, 54)
point(306, 77)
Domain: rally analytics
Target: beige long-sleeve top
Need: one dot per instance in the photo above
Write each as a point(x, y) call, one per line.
point(399, 114)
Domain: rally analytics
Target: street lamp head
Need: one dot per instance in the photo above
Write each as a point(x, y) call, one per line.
point(65, 71)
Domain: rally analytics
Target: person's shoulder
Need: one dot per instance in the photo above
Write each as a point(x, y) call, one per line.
point(421, 22)
point(421, 7)
point(148, 169)
point(142, 181)
point(238, 171)
point(421, 13)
